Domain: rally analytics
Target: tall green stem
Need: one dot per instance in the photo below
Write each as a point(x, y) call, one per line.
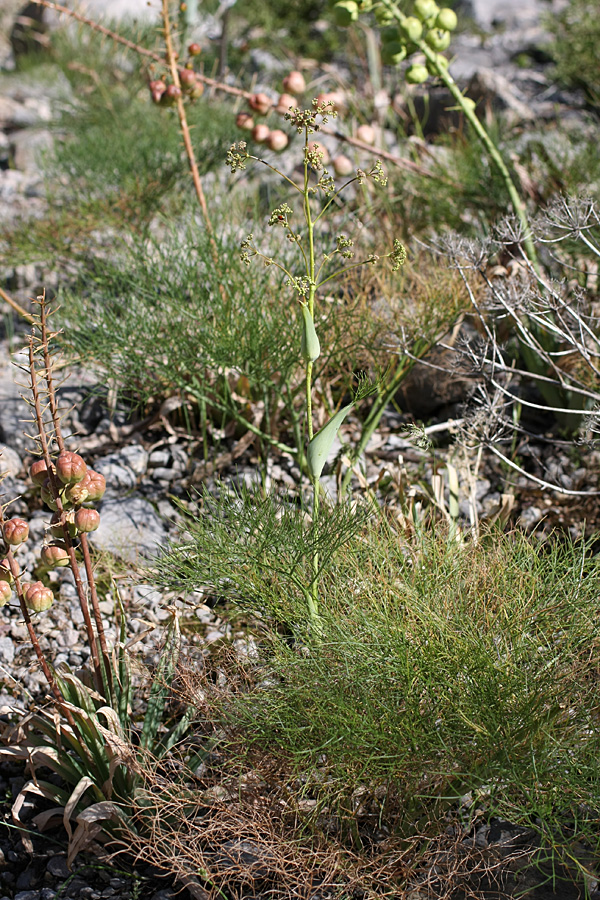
point(314, 592)
point(488, 144)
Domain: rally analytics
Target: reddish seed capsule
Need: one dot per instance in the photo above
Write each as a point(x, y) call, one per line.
point(194, 49)
point(260, 133)
point(342, 165)
point(260, 103)
point(278, 140)
point(171, 95)
point(5, 592)
point(366, 134)
point(5, 573)
point(245, 121)
point(47, 495)
point(157, 89)
point(15, 531)
point(38, 471)
point(37, 596)
point(95, 484)
point(187, 77)
point(87, 520)
point(54, 555)
point(294, 83)
point(284, 103)
point(70, 467)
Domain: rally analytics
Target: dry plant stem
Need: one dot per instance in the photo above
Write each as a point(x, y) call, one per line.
point(14, 568)
point(48, 367)
point(185, 132)
point(14, 305)
point(61, 511)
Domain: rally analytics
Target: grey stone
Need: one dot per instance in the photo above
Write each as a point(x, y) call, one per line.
point(118, 477)
point(133, 456)
point(129, 528)
point(163, 474)
point(7, 649)
point(28, 895)
point(12, 409)
point(28, 147)
point(10, 461)
point(159, 458)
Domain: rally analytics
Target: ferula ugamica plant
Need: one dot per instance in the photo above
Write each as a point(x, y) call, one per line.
point(316, 194)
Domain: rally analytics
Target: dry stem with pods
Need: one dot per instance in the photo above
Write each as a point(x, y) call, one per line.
point(89, 738)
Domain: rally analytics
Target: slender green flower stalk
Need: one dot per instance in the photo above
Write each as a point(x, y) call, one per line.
point(317, 192)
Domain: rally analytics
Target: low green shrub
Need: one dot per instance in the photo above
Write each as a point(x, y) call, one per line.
point(441, 667)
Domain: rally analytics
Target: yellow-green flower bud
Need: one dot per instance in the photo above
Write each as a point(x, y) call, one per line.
point(345, 12)
point(393, 53)
point(417, 74)
point(425, 9)
point(446, 19)
point(383, 15)
point(438, 39)
point(411, 28)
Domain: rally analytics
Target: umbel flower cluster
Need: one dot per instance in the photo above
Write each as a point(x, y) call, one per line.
point(69, 489)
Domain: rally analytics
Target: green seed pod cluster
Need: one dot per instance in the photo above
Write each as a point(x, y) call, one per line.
point(401, 38)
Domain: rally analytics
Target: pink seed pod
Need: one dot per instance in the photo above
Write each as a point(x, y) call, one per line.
point(157, 89)
point(37, 596)
point(171, 95)
point(187, 78)
point(245, 121)
point(87, 520)
point(197, 90)
point(278, 140)
point(47, 495)
point(335, 99)
point(5, 572)
point(342, 166)
point(54, 555)
point(366, 134)
point(70, 467)
point(5, 592)
point(75, 494)
point(260, 133)
point(284, 103)
point(95, 484)
point(56, 529)
point(38, 471)
point(15, 531)
point(260, 103)
point(294, 83)
point(194, 49)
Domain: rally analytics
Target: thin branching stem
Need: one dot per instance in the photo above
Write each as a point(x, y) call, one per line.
point(61, 511)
